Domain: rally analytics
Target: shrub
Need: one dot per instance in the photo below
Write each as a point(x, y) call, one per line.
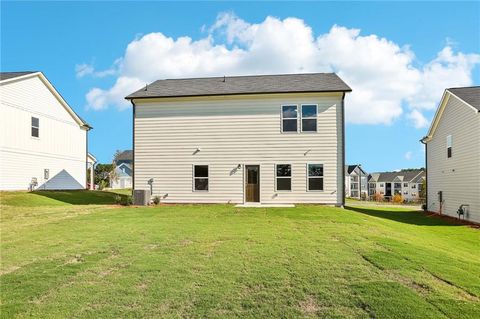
point(118, 199)
point(397, 199)
point(156, 200)
point(378, 197)
point(127, 200)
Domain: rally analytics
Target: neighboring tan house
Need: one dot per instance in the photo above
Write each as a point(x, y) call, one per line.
point(247, 139)
point(353, 174)
point(452, 148)
point(407, 183)
point(43, 142)
point(123, 170)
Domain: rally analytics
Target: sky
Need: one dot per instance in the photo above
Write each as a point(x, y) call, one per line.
point(397, 57)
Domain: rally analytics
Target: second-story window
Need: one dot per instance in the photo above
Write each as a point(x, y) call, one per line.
point(309, 118)
point(35, 127)
point(449, 146)
point(289, 118)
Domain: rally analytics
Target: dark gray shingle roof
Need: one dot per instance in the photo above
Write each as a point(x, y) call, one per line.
point(282, 83)
point(471, 95)
point(390, 176)
point(9, 75)
point(125, 156)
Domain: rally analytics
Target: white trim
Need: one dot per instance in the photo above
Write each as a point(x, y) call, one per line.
point(194, 178)
point(309, 118)
point(439, 113)
point(284, 177)
point(308, 177)
point(288, 118)
point(52, 89)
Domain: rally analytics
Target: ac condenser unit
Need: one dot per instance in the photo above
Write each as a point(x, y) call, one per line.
point(141, 197)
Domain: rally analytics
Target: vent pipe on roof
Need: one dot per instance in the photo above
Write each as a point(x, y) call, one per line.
point(146, 87)
point(224, 78)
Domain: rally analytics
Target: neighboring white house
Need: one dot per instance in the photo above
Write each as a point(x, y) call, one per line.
point(43, 143)
point(407, 183)
point(123, 178)
point(452, 148)
point(123, 170)
point(262, 139)
point(353, 174)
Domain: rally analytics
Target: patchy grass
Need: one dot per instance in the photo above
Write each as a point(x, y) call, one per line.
point(61, 259)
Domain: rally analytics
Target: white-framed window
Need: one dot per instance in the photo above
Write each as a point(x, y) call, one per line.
point(309, 117)
point(315, 177)
point(289, 118)
point(200, 178)
point(382, 185)
point(283, 177)
point(449, 146)
point(405, 184)
point(35, 132)
point(414, 186)
point(405, 192)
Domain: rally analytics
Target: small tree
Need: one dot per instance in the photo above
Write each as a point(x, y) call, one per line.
point(378, 197)
point(397, 198)
point(113, 171)
point(102, 173)
point(423, 191)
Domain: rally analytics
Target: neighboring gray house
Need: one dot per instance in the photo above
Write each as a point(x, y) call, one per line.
point(353, 187)
point(407, 183)
point(271, 139)
point(123, 170)
point(452, 148)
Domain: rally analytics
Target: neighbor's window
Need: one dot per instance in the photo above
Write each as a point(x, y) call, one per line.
point(200, 177)
point(405, 184)
point(289, 118)
point(414, 186)
point(309, 118)
point(315, 177)
point(35, 127)
point(284, 177)
point(381, 185)
point(449, 146)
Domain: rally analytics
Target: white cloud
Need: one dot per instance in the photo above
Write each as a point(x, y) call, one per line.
point(408, 155)
point(85, 69)
point(418, 119)
point(381, 72)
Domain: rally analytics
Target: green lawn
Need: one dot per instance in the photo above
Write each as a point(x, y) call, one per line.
point(61, 257)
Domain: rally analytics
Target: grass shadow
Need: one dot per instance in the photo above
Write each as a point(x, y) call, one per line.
point(403, 216)
point(81, 197)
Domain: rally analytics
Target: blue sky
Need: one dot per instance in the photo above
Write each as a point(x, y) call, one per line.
point(418, 48)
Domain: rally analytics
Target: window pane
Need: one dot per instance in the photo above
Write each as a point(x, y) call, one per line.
point(35, 121)
point(201, 170)
point(309, 125)
point(284, 184)
point(315, 184)
point(289, 111)
point(289, 125)
point(284, 170)
point(309, 110)
point(449, 152)
point(201, 184)
point(252, 175)
point(34, 132)
point(315, 170)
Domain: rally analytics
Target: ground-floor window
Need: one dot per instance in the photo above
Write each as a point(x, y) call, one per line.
point(283, 173)
point(200, 177)
point(315, 177)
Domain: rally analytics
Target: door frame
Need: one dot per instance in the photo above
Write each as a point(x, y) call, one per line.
point(244, 186)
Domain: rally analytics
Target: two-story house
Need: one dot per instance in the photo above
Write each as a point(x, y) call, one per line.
point(43, 142)
point(407, 183)
point(353, 187)
point(452, 148)
point(246, 139)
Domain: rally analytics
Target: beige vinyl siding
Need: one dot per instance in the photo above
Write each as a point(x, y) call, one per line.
point(230, 131)
point(61, 146)
point(457, 177)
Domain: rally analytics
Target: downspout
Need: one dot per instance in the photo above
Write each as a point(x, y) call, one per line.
point(343, 150)
point(86, 159)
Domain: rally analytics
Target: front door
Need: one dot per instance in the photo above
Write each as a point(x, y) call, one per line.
point(252, 183)
point(388, 189)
